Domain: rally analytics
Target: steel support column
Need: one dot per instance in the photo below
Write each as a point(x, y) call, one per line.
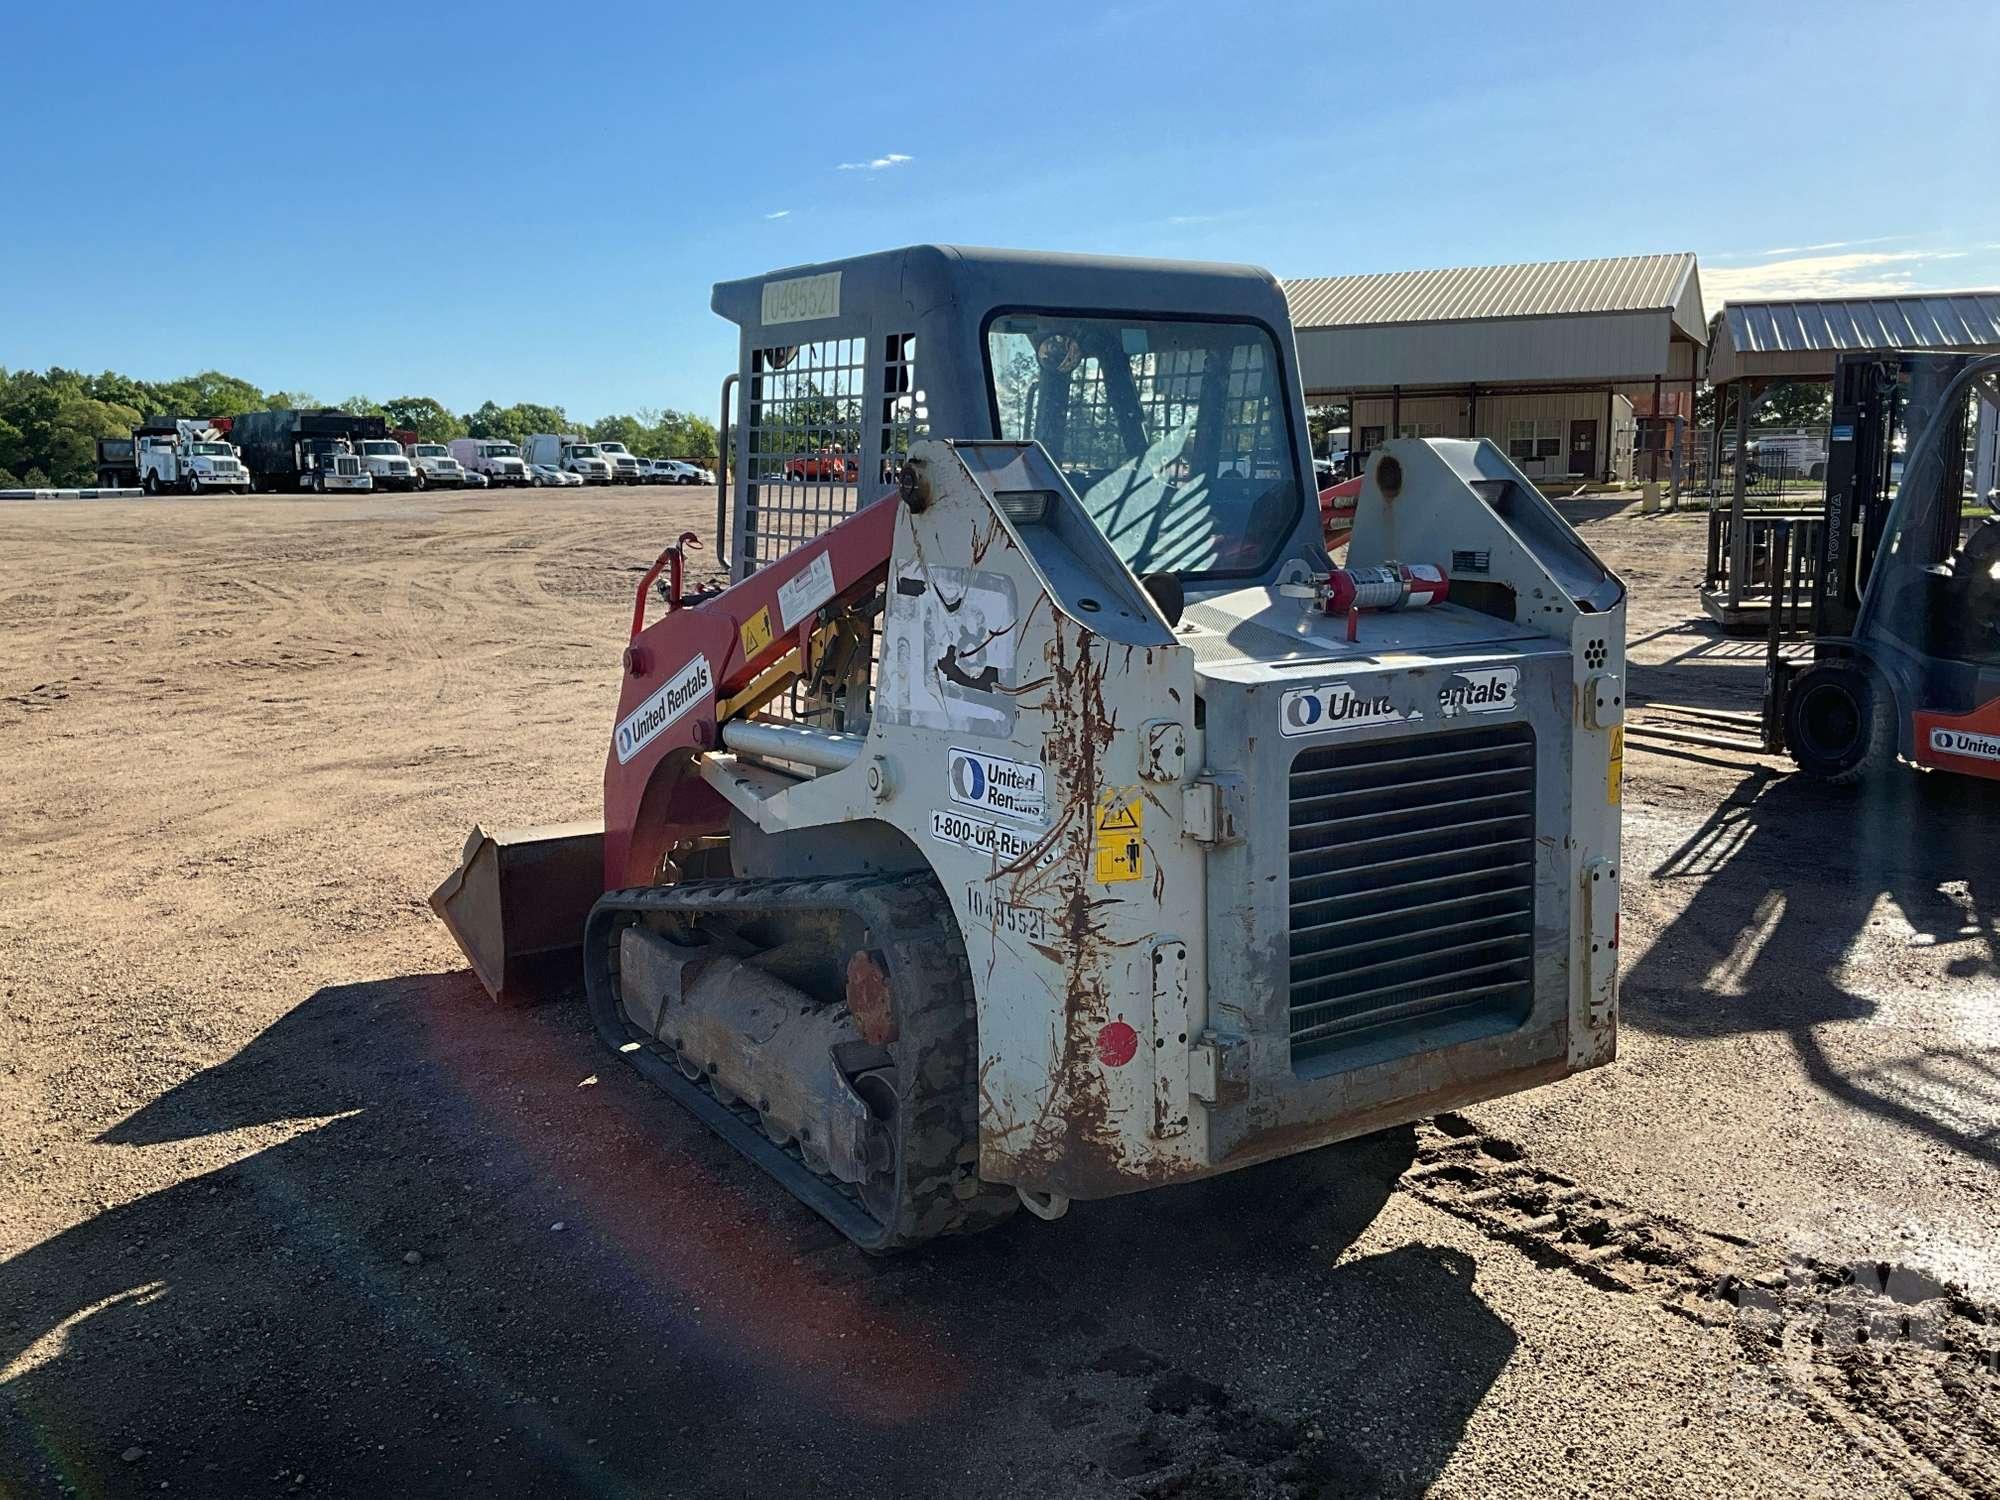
point(1739, 526)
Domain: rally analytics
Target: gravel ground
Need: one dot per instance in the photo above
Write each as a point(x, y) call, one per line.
point(287, 1207)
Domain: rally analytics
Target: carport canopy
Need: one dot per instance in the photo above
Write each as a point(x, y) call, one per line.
point(1804, 339)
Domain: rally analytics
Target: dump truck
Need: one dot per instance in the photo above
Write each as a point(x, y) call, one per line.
point(305, 450)
point(118, 462)
point(1042, 816)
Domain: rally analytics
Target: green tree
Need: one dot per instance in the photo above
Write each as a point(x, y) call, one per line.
point(291, 401)
point(209, 394)
point(1797, 404)
point(626, 430)
point(1320, 420)
point(49, 426)
point(528, 417)
point(361, 406)
point(491, 421)
point(424, 416)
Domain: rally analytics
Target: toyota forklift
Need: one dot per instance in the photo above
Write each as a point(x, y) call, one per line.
point(1905, 616)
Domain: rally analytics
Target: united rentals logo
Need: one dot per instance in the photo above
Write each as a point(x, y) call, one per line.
point(993, 784)
point(1335, 705)
point(1965, 742)
point(675, 697)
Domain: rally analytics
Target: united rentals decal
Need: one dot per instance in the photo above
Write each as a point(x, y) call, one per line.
point(1966, 742)
point(675, 697)
point(994, 784)
point(1336, 705)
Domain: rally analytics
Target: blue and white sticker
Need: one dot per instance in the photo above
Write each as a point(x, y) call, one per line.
point(994, 784)
point(1966, 742)
point(670, 702)
point(1335, 705)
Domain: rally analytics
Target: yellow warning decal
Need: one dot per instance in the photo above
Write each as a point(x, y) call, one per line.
point(1615, 773)
point(1121, 838)
point(756, 632)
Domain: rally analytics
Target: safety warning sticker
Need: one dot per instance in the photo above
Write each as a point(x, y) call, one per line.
point(800, 596)
point(1121, 838)
point(756, 632)
point(1615, 773)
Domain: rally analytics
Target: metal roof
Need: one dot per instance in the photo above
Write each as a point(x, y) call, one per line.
point(1624, 283)
point(1804, 337)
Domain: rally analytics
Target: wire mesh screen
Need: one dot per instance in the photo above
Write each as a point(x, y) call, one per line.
point(803, 433)
point(810, 460)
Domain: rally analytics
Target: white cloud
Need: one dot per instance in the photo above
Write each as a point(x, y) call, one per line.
point(875, 164)
point(783, 213)
point(1879, 239)
point(1871, 273)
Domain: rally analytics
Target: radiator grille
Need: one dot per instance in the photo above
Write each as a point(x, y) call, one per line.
point(1412, 883)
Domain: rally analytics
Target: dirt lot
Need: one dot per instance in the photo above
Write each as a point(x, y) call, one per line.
point(286, 1207)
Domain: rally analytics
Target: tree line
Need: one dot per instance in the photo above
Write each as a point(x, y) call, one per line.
point(50, 420)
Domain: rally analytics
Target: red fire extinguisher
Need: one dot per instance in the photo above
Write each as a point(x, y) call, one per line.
point(1390, 585)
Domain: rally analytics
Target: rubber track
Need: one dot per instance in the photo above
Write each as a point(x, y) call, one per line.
point(937, 1066)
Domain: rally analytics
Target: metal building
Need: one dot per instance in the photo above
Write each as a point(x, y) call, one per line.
point(1567, 365)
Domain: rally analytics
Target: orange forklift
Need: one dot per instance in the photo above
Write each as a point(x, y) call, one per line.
point(1905, 615)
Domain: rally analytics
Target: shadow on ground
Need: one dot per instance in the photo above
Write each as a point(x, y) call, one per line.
point(1784, 878)
point(465, 1250)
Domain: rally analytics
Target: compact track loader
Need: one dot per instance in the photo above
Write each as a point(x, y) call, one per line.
point(1037, 813)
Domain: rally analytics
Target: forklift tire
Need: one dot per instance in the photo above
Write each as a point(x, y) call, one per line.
point(1840, 723)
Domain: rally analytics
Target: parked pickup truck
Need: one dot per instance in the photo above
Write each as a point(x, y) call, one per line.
point(499, 460)
point(828, 464)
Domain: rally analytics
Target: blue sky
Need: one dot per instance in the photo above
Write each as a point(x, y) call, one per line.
point(530, 202)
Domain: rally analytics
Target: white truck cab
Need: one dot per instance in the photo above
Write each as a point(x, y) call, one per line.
point(626, 466)
point(386, 464)
point(194, 458)
point(330, 465)
point(499, 460)
point(571, 454)
point(434, 465)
